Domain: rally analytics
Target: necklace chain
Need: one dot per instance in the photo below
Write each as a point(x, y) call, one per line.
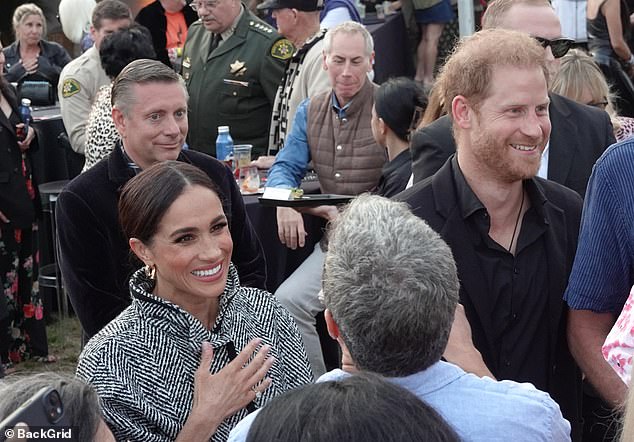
point(517, 221)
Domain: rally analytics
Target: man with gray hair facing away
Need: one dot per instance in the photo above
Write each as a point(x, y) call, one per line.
point(391, 288)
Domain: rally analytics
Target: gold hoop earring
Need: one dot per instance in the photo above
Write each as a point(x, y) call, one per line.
point(150, 272)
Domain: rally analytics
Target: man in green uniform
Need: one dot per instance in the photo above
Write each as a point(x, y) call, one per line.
point(232, 64)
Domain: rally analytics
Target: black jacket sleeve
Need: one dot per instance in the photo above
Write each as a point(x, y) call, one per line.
point(431, 146)
point(88, 260)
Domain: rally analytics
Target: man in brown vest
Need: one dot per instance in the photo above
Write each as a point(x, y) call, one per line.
point(331, 129)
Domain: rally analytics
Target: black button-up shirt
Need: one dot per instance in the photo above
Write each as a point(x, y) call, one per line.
point(517, 286)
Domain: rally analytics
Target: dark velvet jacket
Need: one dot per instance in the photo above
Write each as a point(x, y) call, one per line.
point(15, 203)
point(96, 261)
point(153, 18)
point(434, 200)
point(579, 136)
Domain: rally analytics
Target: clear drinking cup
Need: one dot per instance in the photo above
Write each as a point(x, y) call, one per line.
point(242, 155)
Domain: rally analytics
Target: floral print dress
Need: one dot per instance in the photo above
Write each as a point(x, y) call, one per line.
point(22, 328)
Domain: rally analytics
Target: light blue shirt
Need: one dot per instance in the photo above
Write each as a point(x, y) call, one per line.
point(292, 161)
point(478, 409)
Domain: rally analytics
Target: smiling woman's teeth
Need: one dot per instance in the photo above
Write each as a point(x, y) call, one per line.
point(209, 272)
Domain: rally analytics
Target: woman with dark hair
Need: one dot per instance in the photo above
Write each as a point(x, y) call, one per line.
point(359, 408)
point(608, 34)
point(116, 52)
point(80, 402)
point(22, 329)
point(30, 57)
point(195, 351)
point(399, 104)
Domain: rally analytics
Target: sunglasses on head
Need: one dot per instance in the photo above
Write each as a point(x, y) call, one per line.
point(559, 46)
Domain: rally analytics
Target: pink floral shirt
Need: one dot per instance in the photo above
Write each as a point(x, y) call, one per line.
point(618, 348)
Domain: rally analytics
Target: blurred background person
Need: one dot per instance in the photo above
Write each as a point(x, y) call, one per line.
point(116, 51)
point(609, 30)
point(191, 331)
point(81, 79)
point(399, 104)
point(580, 79)
point(75, 16)
point(334, 410)
point(431, 16)
point(435, 107)
point(30, 57)
point(335, 12)
point(168, 21)
point(80, 402)
point(23, 332)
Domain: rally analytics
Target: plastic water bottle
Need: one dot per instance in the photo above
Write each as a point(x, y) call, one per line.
point(25, 116)
point(224, 146)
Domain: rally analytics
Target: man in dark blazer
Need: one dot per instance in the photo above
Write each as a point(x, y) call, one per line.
point(580, 133)
point(513, 235)
point(150, 114)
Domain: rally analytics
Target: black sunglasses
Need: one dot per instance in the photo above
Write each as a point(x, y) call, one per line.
point(559, 46)
point(599, 104)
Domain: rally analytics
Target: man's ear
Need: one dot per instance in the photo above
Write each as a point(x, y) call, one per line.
point(324, 57)
point(119, 121)
point(141, 251)
point(93, 33)
point(371, 62)
point(331, 325)
point(462, 112)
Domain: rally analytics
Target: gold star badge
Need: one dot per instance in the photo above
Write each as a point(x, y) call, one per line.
point(238, 68)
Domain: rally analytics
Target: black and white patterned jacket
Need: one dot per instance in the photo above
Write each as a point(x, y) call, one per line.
point(142, 363)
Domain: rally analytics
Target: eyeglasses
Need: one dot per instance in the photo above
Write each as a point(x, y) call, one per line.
point(600, 104)
point(558, 46)
point(207, 5)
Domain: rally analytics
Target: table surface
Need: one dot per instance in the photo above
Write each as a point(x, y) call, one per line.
point(280, 260)
point(41, 113)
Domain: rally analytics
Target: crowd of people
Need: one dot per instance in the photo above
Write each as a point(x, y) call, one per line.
point(472, 285)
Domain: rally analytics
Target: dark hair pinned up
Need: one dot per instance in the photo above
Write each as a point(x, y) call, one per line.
point(400, 103)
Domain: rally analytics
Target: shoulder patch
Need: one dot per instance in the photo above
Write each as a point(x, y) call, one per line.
point(70, 87)
point(282, 49)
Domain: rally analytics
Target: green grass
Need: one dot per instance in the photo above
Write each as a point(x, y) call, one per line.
point(64, 342)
